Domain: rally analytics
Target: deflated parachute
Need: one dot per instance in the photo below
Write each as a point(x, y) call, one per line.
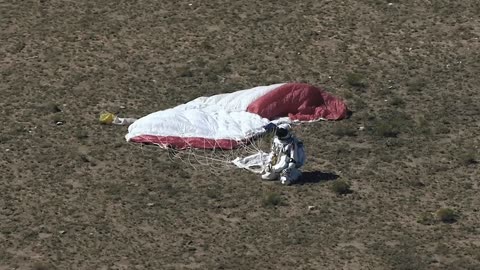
point(227, 121)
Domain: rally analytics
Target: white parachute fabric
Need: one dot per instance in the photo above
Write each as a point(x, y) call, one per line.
point(219, 117)
point(254, 163)
point(210, 122)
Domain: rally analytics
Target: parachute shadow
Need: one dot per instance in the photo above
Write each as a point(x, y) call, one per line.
point(317, 177)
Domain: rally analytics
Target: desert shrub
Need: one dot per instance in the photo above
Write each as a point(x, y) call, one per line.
point(271, 199)
point(340, 187)
point(446, 215)
point(356, 79)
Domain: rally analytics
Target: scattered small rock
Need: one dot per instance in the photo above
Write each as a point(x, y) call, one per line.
point(311, 207)
point(62, 232)
point(150, 204)
point(361, 128)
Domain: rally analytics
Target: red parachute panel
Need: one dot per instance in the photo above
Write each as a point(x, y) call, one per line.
point(299, 101)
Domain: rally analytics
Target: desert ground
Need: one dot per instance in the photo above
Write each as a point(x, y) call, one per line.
point(394, 186)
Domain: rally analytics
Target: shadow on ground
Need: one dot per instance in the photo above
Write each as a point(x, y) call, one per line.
point(317, 177)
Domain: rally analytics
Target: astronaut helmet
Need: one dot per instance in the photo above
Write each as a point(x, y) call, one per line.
point(283, 132)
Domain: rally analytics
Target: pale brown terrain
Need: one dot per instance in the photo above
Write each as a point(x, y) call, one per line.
point(75, 195)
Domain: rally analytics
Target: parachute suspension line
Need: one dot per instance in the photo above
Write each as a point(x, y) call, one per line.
point(212, 156)
point(192, 157)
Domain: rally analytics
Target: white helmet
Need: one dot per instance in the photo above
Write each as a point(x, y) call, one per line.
point(283, 132)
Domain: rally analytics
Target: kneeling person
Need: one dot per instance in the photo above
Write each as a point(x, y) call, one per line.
point(287, 156)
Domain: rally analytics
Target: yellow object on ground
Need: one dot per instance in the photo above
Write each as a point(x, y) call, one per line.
point(106, 118)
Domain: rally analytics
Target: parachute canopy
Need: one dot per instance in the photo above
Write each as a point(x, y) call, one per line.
point(227, 121)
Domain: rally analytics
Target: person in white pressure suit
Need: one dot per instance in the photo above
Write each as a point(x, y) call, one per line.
point(286, 157)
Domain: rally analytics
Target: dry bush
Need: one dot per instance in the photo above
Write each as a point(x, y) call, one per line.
point(340, 187)
point(356, 80)
point(271, 199)
point(446, 215)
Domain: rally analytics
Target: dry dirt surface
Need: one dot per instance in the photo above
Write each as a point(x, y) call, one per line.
point(75, 195)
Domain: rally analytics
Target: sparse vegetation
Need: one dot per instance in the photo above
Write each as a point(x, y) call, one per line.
point(390, 124)
point(446, 215)
point(272, 199)
point(340, 187)
point(356, 80)
point(413, 88)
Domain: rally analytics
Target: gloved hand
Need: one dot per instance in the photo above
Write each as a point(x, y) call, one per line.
point(268, 168)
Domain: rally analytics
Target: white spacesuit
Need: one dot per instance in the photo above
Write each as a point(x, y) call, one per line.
point(287, 156)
